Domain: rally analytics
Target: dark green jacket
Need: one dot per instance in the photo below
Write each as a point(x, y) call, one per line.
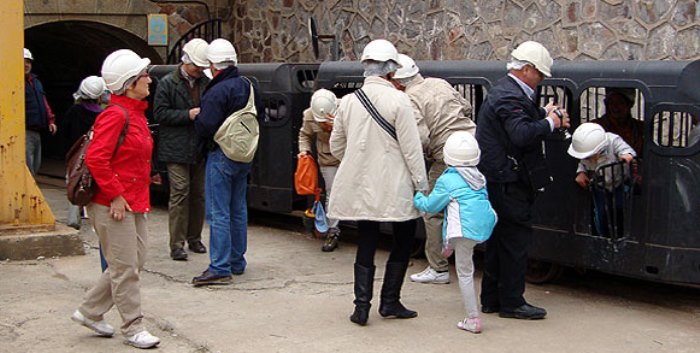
point(177, 142)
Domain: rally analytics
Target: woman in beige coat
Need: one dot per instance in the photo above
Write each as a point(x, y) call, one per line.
point(377, 177)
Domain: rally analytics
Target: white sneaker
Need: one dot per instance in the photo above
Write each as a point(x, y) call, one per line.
point(431, 276)
point(101, 327)
point(472, 325)
point(143, 340)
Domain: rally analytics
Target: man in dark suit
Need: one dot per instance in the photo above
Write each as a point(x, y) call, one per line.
point(510, 132)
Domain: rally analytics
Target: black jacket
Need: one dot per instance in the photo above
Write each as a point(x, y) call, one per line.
point(177, 142)
point(510, 128)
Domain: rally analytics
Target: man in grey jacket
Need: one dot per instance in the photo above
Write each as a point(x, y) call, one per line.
point(176, 107)
point(440, 110)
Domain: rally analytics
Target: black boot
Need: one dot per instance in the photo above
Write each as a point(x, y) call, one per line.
point(364, 279)
point(389, 305)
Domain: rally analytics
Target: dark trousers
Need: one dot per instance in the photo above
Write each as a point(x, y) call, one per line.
point(505, 262)
point(369, 237)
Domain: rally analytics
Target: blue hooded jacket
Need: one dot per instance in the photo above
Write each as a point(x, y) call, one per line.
point(475, 217)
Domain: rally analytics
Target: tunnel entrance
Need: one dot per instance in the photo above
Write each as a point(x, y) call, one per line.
point(66, 52)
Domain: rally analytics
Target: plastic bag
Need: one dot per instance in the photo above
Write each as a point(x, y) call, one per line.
point(306, 176)
point(320, 220)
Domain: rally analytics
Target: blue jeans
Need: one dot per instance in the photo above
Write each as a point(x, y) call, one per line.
point(225, 185)
point(608, 210)
point(33, 145)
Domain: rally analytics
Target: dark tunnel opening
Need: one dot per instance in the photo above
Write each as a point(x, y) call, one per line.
point(65, 53)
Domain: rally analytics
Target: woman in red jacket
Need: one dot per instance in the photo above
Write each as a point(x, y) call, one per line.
point(121, 165)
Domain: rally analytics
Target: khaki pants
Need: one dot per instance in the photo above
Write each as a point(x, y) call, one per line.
point(186, 204)
point(124, 246)
point(433, 225)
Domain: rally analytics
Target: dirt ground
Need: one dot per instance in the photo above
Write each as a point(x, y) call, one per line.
point(294, 298)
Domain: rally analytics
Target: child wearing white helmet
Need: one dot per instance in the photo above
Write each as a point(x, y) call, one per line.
point(595, 148)
point(316, 127)
point(461, 194)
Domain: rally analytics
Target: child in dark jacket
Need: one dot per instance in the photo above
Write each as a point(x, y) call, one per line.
point(460, 192)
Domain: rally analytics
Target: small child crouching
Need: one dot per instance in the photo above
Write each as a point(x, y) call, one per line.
point(595, 148)
point(469, 218)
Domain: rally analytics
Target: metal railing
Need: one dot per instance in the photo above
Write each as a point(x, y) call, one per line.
point(207, 30)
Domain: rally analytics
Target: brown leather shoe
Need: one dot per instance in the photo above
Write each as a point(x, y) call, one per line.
point(209, 278)
point(179, 254)
point(198, 247)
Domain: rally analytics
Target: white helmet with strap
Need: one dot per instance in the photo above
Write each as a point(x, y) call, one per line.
point(461, 150)
point(408, 67)
point(120, 66)
point(323, 102)
point(587, 140)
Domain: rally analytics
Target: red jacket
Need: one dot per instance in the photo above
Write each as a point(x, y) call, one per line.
point(128, 172)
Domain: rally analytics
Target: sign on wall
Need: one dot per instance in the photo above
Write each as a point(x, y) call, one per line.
point(158, 29)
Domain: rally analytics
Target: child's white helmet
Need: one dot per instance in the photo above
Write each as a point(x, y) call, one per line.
point(588, 139)
point(461, 150)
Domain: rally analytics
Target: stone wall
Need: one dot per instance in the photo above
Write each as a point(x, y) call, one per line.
point(276, 30)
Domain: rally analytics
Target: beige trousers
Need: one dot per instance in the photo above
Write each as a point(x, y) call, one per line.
point(124, 246)
point(433, 225)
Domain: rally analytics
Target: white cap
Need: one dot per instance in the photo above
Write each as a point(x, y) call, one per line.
point(380, 50)
point(323, 102)
point(28, 54)
point(536, 54)
point(587, 140)
point(120, 66)
point(408, 67)
point(461, 150)
point(221, 50)
point(196, 50)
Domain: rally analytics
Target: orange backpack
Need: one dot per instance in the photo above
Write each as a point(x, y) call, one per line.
point(306, 176)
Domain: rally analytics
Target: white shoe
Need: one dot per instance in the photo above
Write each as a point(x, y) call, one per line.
point(472, 325)
point(101, 327)
point(431, 276)
point(143, 340)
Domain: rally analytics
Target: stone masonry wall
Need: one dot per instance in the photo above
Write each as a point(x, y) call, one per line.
point(276, 30)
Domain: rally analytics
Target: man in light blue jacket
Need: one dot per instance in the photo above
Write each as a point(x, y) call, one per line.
point(469, 218)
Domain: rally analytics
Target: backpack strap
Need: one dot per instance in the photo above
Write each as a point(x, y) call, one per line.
point(122, 135)
point(250, 106)
point(372, 110)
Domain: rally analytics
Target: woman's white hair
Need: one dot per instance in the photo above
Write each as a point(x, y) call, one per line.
point(379, 68)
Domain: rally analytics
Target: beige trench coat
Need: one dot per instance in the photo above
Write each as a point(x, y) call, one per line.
point(442, 109)
point(378, 175)
point(312, 131)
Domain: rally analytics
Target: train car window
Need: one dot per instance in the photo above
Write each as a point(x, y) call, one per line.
point(474, 94)
point(675, 129)
point(275, 109)
point(342, 88)
point(560, 95)
point(594, 101)
point(306, 79)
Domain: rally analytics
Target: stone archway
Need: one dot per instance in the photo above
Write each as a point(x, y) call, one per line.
point(65, 52)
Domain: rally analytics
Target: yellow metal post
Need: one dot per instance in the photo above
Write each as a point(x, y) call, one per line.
point(22, 206)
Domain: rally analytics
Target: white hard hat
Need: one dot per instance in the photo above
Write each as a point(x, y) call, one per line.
point(28, 54)
point(380, 50)
point(587, 140)
point(461, 150)
point(92, 87)
point(408, 67)
point(221, 50)
point(536, 54)
point(196, 50)
point(120, 66)
point(323, 102)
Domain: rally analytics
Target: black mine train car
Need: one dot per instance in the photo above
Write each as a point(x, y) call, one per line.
point(660, 239)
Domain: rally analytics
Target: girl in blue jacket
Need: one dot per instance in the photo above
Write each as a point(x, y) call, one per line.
point(469, 218)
